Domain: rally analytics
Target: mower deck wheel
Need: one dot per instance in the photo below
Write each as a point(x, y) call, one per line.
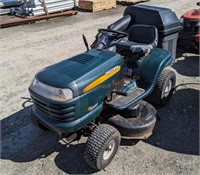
point(102, 146)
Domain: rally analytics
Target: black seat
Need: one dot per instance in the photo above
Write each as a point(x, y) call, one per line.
point(141, 39)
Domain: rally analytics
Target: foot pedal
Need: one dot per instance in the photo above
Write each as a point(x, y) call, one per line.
point(124, 100)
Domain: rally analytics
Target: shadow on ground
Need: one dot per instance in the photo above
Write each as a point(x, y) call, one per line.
point(188, 66)
point(23, 142)
point(124, 3)
point(178, 129)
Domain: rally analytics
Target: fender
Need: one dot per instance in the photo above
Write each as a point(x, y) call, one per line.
point(157, 60)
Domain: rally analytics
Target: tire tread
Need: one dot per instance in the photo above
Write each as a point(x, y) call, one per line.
point(155, 96)
point(96, 142)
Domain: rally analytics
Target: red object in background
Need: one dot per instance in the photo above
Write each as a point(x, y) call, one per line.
point(190, 35)
point(192, 15)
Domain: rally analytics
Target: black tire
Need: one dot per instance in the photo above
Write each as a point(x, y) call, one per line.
point(159, 96)
point(96, 154)
point(36, 122)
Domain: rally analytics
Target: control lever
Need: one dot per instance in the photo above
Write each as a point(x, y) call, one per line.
point(85, 42)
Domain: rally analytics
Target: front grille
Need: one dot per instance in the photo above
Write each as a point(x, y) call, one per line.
point(55, 111)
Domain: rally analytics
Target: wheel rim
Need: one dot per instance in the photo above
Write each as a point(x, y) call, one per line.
point(168, 88)
point(109, 150)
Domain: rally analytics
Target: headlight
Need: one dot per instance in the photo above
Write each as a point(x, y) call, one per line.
point(52, 93)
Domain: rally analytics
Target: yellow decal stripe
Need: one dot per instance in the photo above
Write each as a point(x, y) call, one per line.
point(100, 80)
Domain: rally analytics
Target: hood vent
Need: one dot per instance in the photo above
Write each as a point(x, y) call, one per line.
point(83, 59)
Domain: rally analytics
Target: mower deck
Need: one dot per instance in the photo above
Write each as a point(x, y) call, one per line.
point(136, 127)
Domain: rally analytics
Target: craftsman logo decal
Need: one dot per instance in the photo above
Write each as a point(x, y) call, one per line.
point(102, 79)
point(111, 70)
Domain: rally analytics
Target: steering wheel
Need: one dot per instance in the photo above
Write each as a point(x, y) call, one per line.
point(113, 33)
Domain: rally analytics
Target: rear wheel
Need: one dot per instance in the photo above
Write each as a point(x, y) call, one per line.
point(102, 146)
point(164, 88)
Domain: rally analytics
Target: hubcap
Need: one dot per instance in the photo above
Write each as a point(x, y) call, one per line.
point(168, 88)
point(109, 150)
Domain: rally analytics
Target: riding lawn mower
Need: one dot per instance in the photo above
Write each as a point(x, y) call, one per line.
point(107, 92)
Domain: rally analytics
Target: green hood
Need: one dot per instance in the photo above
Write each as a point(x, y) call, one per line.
point(77, 72)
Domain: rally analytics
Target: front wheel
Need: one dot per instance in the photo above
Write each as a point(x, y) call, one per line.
point(102, 146)
point(164, 88)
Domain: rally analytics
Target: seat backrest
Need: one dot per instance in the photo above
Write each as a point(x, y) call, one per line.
point(145, 34)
